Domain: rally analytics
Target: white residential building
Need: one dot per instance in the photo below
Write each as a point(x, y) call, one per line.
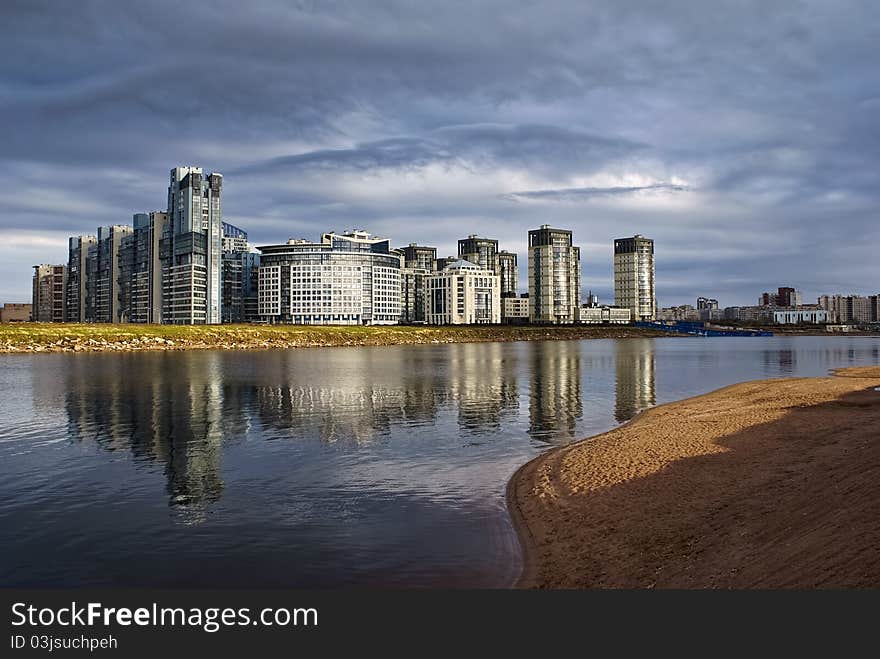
point(797, 316)
point(515, 310)
point(463, 293)
point(346, 279)
point(605, 315)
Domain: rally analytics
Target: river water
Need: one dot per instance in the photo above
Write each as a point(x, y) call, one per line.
point(321, 467)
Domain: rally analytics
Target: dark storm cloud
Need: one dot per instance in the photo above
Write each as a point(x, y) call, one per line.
point(744, 125)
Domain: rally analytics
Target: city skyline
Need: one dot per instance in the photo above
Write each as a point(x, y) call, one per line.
point(745, 149)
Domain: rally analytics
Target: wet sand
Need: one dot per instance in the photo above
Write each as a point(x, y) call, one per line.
point(767, 484)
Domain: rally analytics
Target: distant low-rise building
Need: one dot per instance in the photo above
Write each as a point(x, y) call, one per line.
point(743, 314)
point(683, 312)
point(463, 294)
point(796, 316)
point(590, 315)
point(515, 310)
point(15, 312)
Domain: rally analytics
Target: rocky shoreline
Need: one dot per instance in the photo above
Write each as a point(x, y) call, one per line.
point(130, 338)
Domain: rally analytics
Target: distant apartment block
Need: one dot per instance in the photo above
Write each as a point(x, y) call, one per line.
point(464, 293)
point(484, 253)
point(515, 310)
point(239, 287)
point(634, 276)
point(78, 303)
point(49, 293)
point(796, 316)
point(785, 296)
point(443, 261)
point(418, 257)
point(479, 251)
point(777, 315)
point(106, 289)
point(140, 269)
point(346, 279)
point(239, 277)
point(234, 239)
point(192, 248)
point(851, 308)
point(554, 276)
point(683, 312)
point(413, 295)
point(605, 315)
point(508, 272)
point(16, 312)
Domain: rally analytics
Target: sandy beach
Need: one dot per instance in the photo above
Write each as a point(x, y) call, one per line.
point(766, 484)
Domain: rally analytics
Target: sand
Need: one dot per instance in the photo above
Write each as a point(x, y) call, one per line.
point(768, 484)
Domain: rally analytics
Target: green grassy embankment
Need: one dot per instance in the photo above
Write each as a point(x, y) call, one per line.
point(65, 337)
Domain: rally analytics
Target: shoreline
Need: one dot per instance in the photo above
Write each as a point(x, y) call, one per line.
point(761, 484)
point(54, 338)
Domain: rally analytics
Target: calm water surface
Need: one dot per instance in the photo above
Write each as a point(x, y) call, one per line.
point(321, 467)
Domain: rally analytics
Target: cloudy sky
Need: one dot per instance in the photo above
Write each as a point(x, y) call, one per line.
point(742, 136)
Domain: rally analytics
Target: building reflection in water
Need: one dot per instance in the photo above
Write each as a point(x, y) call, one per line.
point(635, 384)
point(780, 361)
point(354, 395)
point(361, 393)
point(167, 409)
point(555, 399)
point(482, 383)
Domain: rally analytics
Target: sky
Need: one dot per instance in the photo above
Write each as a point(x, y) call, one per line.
point(743, 137)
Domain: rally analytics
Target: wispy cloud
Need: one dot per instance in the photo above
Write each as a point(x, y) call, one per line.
point(585, 194)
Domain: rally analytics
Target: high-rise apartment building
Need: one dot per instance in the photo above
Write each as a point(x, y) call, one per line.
point(418, 257)
point(554, 276)
point(634, 276)
point(508, 274)
point(463, 293)
point(479, 251)
point(77, 306)
point(192, 248)
point(49, 293)
point(413, 283)
point(346, 279)
point(860, 310)
point(484, 253)
point(239, 281)
point(706, 303)
point(140, 269)
point(104, 292)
